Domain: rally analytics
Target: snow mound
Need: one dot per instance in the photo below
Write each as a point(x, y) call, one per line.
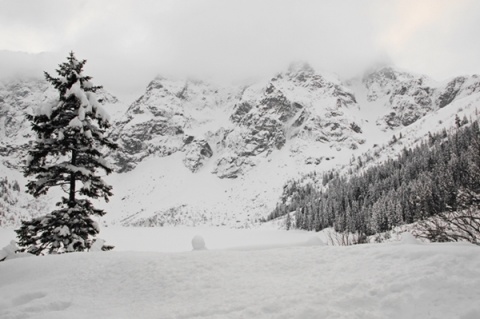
point(8, 250)
point(315, 241)
point(97, 245)
point(409, 239)
point(198, 243)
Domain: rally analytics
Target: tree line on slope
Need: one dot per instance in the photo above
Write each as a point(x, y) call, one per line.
point(442, 174)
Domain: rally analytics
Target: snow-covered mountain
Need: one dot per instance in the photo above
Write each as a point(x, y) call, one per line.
point(195, 152)
point(235, 127)
point(410, 97)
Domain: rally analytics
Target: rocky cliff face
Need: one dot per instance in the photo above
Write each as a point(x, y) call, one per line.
point(295, 107)
point(409, 97)
point(172, 116)
point(457, 88)
point(18, 97)
point(235, 127)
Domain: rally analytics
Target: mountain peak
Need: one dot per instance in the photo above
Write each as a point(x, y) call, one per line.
point(300, 66)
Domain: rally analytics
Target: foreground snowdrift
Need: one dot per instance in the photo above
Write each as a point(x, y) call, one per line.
point(398, 280)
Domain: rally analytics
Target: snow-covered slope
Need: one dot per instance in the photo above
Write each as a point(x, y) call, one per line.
point(194, 152)
point(396, 280)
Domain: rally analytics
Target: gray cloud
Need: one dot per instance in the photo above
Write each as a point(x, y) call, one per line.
point(127, 43)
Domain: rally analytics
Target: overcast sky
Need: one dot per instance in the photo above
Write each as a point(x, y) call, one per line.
point(128, 42)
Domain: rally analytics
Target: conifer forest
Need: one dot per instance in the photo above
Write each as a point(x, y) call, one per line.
point(440, 175)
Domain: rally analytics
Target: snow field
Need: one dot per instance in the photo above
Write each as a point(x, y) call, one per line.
point(396, 280)
point(179, 239)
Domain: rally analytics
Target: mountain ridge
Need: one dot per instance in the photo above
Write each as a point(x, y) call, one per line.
point(222, 154)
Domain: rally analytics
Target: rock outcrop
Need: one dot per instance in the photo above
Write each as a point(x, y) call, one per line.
point(408, 97)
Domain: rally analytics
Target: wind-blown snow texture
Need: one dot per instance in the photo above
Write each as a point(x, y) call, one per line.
point(397, 280)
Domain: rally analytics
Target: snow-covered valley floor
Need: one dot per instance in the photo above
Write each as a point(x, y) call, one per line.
point(153, 273)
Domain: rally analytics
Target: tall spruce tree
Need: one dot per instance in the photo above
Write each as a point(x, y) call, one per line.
point(68, 154)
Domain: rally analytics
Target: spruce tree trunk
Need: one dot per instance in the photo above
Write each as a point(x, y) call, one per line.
point(71, 199)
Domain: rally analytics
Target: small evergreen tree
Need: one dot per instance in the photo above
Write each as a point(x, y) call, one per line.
point(458, 123)
point(288, 222)
point(68, 154)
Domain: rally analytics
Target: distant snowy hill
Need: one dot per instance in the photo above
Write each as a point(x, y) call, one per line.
point(194, 152)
